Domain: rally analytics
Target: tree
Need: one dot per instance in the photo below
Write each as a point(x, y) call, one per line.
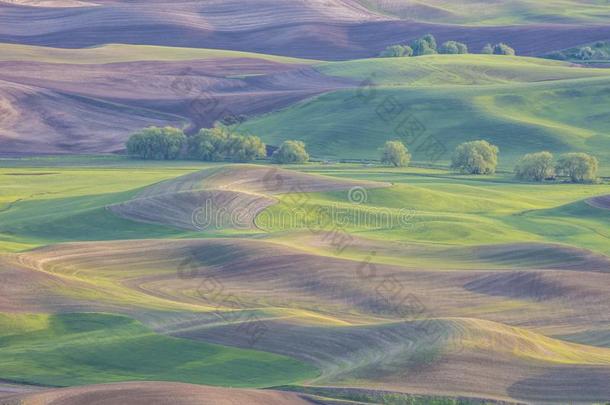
point(429, 38)
point(209, 144)
point(476, 157)
point(453, 47)
point(487, 49)
point(396, 154)
point(586, 53)
point(579, 167)
point(426, 45)
point(156, 143)
point(535, 167)
point(242, 148)
point(395, 51)
point(219, 143)
point(503, 49)
point(290, 152)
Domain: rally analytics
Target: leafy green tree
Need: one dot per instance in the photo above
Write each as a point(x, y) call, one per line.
point(453, 47)
point(155, 143)
point(246, 148)
point(396, 154)
point(290, 152)
point(219, 143)
point(476, 157)
point(586, 53)
point(503, 49)
point(426, 45)
point(429, 38)
point(579, 167)
point(394, 51)
point(487, 49)
point(209, 144)
point(535, 167)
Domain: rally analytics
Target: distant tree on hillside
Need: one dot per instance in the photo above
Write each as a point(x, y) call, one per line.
point(396, 154)
point(290, 152)
point(243, 148)
point(503, 49)
point(220, 143)
point(488, 49)
point(156, 143)
point(209, 144)
point(586, 53)
point(535, 167)
point(396, 51)
point(476, 157)
point(579, 167)
point(453, 47)
point(426, 45)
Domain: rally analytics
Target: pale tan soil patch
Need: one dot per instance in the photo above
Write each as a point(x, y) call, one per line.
point(227, 197)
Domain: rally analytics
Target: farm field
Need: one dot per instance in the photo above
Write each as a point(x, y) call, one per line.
point(522, 105)
point(323, 202)
point(466, 270)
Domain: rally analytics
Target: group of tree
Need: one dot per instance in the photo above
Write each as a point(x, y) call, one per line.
point(599, 51)
point(290, 152)
point(481, 157)
point(578, 167)
point(157, 143)
point(215, 144)
point(498, 49)
point(427, 45)
point(220, 143)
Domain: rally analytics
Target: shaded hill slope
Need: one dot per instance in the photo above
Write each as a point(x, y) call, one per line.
point(332, 30)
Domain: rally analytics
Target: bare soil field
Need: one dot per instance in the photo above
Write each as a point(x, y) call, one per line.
point(476, 325)
point(338, 29)
point(229, 197)
point(602, 202)
point(63, 108)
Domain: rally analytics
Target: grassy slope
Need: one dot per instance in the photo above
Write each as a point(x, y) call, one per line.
point(504, 12)
point(449, 210)
point(115, 53)
point(520, 104)
point(49, 205)
point(442, 208)
point(89, 348)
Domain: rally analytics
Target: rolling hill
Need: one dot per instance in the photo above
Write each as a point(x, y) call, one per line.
point(329, 29)
point(503, 12)
point(439, 310)
point(521, 105)
point(75, 101)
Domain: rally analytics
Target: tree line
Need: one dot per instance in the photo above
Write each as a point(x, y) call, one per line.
point(216, 144)
point(220, 143)
point(427, 45)
point(481, 157)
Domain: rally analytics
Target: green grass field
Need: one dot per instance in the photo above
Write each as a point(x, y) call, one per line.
point(521, 105)
point(479, 12)
point(423, 222)
point(89, 348)
point(116, 53)
point(433, 206)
